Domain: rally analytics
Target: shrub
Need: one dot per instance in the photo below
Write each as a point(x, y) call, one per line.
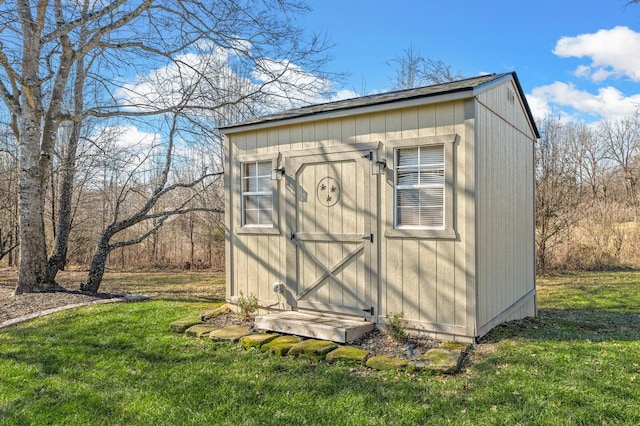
point(248, 306)
point(396, 327)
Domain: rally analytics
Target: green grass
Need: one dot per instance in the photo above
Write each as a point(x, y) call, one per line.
point(578, 363)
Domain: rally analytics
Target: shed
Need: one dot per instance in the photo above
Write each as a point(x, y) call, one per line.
point(419, 202)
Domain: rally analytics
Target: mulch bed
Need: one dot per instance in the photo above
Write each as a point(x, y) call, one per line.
point(376, 342)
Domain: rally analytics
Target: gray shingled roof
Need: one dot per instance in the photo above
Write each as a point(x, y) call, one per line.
point(383, 98)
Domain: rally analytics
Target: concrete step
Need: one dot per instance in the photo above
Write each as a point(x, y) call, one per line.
point(336, 329)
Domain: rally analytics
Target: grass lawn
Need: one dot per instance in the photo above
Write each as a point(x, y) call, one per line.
point(578, 363)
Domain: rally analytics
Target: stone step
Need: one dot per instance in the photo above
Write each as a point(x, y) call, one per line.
point(336, 329)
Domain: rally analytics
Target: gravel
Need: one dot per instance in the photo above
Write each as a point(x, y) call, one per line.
point(16, 306)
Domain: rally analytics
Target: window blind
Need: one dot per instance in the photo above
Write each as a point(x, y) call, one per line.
point(419, 189)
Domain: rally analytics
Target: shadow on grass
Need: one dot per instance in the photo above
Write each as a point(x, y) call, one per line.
point(194, 299)
point(571, 324)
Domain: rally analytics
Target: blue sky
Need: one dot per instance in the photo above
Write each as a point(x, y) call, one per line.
point(579, 59)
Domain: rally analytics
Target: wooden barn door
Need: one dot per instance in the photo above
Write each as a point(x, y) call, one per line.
point(330, 258)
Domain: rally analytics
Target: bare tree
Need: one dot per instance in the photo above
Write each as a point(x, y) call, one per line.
point(621, 139)
point(162, 188)
point(411, 69)
point(43, 45)
point(557, 189)
point(589, 155)
point(8, 199)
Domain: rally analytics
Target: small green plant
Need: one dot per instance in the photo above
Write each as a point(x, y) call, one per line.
point(248, 306)
point(397, 327)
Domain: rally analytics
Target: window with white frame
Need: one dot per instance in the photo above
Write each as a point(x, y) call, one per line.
point(257, 194)
point(420, 187)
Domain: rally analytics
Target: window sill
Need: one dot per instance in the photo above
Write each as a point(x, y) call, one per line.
point(257, 230)
point(424, 234)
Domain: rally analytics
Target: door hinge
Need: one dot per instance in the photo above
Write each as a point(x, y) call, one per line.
point(368, 156)
point(370, 311)
point(368, 237)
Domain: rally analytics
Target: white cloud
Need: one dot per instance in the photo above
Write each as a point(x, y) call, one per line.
point(290, 86)
point(126, 136)
point(613, 53)
point(608, 102)
point(211, 79)
point(610, 53)
point(164, 87)
point(344, 94)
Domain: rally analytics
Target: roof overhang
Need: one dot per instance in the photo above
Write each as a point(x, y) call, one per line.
point(447, 92)
point(346, 112)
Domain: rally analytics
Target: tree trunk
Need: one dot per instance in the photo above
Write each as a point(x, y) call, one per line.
point(58, 257)
point(34, 163)
point(98, 263)
point(191, 240)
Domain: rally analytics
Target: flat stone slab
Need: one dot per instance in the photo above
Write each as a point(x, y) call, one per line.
point(200, 330)
point(440, 360)
point(257, 340)
point(217, 312)
point(312, 349)
point(232, 333)
point(464, 347)
point(181, 325)
point(281, 345)
point(386, 363)
point(348, 354)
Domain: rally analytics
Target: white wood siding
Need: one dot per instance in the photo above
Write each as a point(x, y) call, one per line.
point(505, 206)
point(499, 99)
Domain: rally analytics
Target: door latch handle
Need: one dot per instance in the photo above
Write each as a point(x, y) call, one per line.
point(292, 236)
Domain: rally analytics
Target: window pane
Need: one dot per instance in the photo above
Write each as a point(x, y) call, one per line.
point(432, 177)
point(408, 207)
point(263, 184)
point(251, 202)
point(432, 207)
point(432, 154)
point(251, 217)
point(250, 184)
point(431, 216)
point(265, 202)
point(249, 169)
point(409, 216)
point(266, 217)
point(408, 157)
point(264, 169)
point(408, 197)
point(407, 177)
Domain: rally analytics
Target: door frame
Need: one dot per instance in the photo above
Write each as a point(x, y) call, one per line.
point(364, 154)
